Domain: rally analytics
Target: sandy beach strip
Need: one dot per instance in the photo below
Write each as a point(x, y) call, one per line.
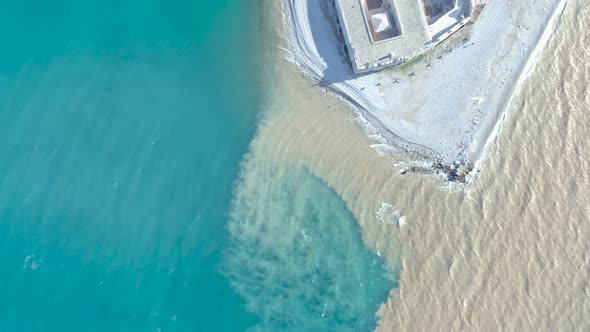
point(447, 106)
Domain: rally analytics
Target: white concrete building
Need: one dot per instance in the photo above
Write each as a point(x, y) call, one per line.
point(384, 33)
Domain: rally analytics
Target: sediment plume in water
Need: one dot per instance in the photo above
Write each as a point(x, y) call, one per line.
point(508, 251)
point(297, 256)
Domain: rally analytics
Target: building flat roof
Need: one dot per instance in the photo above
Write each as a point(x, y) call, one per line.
point(366, 54)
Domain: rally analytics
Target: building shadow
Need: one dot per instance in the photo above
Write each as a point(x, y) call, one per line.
point(329, 44)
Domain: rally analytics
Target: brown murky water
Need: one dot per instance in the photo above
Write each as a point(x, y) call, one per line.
point(512, 250)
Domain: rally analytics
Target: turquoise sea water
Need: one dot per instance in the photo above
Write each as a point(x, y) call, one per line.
point(122, 129)
point(296, 254)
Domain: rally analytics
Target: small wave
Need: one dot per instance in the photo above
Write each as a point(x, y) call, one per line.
point(388, 215)
point(31, 263)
